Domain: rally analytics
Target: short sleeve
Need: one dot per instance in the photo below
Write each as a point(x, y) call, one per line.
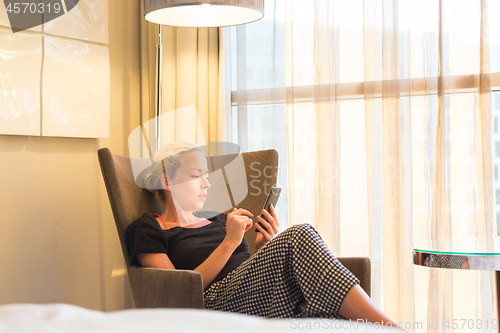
point(143, 237)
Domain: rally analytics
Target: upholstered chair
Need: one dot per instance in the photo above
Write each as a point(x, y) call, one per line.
point(152, 287)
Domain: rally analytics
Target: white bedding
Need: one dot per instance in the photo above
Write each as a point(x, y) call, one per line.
point(59, 318)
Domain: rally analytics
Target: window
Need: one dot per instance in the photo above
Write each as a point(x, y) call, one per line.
point(325, 77)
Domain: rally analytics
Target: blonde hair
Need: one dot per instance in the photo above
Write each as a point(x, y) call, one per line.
point(169, 155)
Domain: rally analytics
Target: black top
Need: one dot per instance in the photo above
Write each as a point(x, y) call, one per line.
point(187, 248)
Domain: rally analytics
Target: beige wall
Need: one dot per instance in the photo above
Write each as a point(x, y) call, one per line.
point(58, 241)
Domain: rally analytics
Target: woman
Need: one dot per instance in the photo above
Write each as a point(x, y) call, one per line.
point(290, 275)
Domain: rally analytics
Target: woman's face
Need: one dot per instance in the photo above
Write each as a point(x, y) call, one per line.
point(190, 183)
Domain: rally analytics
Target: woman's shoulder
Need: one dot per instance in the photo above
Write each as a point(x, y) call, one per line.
point(145, 221)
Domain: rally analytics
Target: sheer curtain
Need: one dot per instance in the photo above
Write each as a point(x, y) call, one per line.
point(382, 114)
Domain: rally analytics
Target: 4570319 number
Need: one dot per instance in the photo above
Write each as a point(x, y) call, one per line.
point(33, 8)
point(471, 323)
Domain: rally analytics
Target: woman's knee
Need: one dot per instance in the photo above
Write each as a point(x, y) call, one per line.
point(303, 228)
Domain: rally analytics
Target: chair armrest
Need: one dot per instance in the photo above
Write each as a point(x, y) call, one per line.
point(166, 288)
point(361, 268)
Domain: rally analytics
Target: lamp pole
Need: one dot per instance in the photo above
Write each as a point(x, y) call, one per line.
point(159, 63)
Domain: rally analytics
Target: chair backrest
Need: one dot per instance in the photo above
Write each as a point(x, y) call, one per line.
point(129, 201)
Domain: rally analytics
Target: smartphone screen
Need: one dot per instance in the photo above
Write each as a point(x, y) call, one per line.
point(272, 198)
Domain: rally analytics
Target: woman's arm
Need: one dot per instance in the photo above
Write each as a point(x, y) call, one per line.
point(212, 266)
point(237, 223)
point(155, 260)
point(209, 269)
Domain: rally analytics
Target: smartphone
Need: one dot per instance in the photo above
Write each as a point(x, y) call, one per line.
point(272, 198)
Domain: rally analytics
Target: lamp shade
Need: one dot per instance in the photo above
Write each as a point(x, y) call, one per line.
point(203, 13)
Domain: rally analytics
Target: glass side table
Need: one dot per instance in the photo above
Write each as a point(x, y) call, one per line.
point(466, 253)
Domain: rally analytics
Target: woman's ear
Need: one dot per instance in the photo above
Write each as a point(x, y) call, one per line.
point(164, 183)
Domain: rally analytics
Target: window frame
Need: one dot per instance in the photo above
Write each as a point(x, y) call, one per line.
point(362, 90)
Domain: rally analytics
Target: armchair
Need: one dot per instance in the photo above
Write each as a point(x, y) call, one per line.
point(152, 287)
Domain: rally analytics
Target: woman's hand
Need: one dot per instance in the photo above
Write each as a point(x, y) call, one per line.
point(265, 235)
point(238, 221)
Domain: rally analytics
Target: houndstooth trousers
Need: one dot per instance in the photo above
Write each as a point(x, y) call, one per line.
point(294, 275)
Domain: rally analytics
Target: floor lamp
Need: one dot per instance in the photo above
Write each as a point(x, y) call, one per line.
point(195, 13)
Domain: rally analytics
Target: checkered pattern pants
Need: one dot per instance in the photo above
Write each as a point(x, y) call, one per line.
point(294, 275)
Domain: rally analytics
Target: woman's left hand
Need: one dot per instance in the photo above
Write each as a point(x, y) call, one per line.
point(265, 235)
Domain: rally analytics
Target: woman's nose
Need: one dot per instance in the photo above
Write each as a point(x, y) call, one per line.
point(206, 183)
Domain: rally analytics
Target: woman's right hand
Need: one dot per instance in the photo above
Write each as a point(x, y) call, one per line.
point(238, 221)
